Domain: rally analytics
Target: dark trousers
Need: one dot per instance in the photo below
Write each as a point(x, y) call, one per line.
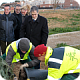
point(69, 76)
point(37, 67)
point(3, 46)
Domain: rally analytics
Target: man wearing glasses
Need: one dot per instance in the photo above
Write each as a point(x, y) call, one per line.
point(7, 27)
point(18, 15)
point(35, 28)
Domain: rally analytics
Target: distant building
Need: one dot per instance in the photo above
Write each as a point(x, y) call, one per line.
point(59, 3)
point(70, 4)
point(46, 3)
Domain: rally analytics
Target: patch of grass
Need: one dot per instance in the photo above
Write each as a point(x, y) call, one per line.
point(64, 44)
point(76, 16)
point(74, 19)
point(61, 30)
point(61, 45)
point(59, 19)
point(78, 47)
point(74, 23)
point(54, 18)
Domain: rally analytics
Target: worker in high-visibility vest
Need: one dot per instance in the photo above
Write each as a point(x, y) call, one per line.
point(21, 51)
point(63, 62)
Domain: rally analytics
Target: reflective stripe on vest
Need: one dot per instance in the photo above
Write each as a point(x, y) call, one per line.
point(72, 60)
point(69, 64)
point(55, 60)
point(51, 78)
point(17, 57)
point(75, 70)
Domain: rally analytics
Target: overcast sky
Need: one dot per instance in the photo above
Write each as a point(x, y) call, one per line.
point(8, 1)
point(1, 1)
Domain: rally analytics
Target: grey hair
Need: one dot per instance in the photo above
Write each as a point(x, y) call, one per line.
point(34, 8)
point(7, 6)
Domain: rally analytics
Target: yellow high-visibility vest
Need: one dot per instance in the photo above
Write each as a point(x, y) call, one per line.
point(17, 57)
point(69, 64)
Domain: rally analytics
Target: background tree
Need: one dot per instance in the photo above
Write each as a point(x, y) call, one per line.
point(17, 0)
point(55, 4)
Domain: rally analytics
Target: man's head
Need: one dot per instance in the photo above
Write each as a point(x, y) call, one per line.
point(34, 12)
point(24, 45)
point(7, 9)
point(40, 52)
point(17, 8)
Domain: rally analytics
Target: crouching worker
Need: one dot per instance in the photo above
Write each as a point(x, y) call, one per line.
point(63, 62)
point(18, 53)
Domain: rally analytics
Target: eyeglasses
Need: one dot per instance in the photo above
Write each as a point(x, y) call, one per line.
point(34, 14)
point(18, 9)
point(6, 9)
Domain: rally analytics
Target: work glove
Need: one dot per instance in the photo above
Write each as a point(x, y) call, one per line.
point(24, 65)
point(15, 78)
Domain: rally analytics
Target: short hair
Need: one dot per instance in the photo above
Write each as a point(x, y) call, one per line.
point(34, 8)
point(7, 5)
point(18, 5)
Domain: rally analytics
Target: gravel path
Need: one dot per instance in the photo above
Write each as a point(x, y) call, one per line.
point(70, 38)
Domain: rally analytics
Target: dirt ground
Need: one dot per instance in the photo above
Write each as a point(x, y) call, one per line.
point(64, 16)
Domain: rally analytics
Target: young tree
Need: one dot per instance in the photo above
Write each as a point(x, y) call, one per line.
point(55, 3)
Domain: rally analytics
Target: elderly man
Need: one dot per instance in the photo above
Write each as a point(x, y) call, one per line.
point(63, 62)
point(18, 15)
point(7, 26)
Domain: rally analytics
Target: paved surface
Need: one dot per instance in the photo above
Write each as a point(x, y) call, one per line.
point(70, 38)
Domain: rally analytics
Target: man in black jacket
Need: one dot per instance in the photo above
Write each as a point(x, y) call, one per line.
point(18, 15)
point(7, 27)
point(35, 28)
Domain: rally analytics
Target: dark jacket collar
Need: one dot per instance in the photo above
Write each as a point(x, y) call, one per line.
point(17, 14)
point(7, 15)
point(38, 19)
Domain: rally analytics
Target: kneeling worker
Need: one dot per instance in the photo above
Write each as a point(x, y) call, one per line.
point(20, 51)
point(63, 62)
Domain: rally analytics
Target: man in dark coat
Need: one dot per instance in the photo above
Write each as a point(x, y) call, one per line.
point(7, 26)
point(35, 28)
point(18, 15)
